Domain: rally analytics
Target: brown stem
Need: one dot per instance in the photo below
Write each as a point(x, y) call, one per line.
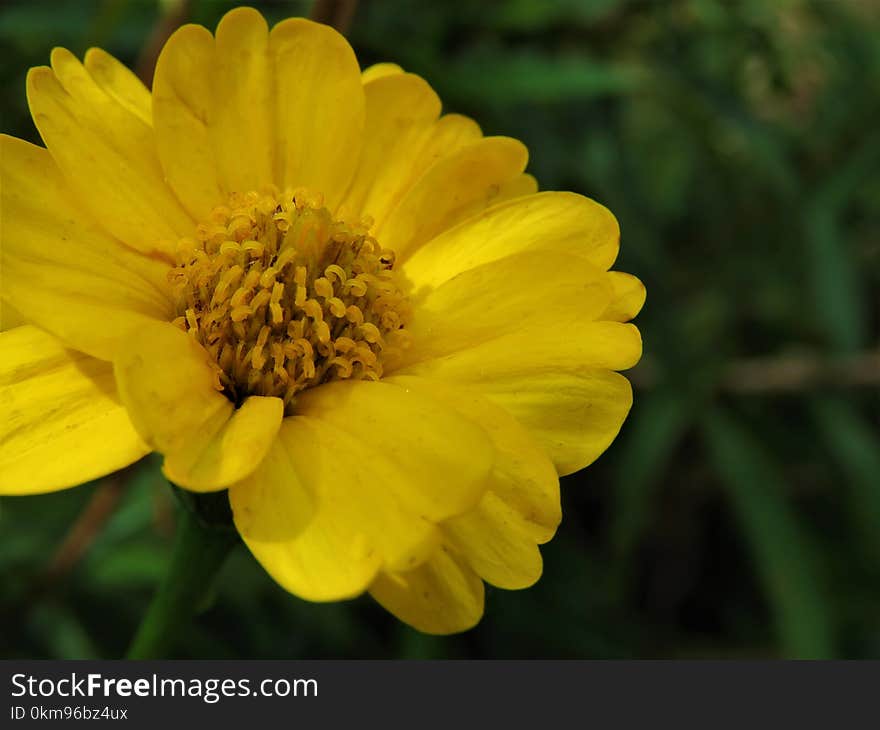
point(785, 373)
point(175, 15)
point(337, 13)
point(87, 527)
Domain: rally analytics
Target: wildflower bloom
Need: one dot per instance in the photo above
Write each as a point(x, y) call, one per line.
point(299, 282)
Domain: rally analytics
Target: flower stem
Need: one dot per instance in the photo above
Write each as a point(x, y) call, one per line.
point(199, 552)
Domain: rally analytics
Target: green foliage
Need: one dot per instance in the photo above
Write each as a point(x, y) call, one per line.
point(737, 144)
point(780, 550)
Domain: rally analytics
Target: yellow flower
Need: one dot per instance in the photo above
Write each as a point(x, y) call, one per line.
point(299, 282)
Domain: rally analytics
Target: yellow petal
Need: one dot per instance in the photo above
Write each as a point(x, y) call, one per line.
point(450, 189)
point(579, 347)
point(183, 110)
point(213, 110)
point(244, 101)
point(273, 505)
point(118, 81)
point(62, 421)
point(321, 516)
point(533, 289)
point(167, 382)
point(441, 460)
point(628, 299)
point(442, 596)
point(550, 221)
point(61, 270)
point(319, 108)
point(378, 70)
point(399, 110)
point(574, 417)
point(107, 155)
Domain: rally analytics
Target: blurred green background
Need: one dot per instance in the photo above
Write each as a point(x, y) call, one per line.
point(738, 513)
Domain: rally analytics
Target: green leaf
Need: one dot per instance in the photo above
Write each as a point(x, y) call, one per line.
point(530, 15)
point(856, 448)
point(658, 424)
point(532, 78)
point(838, 294)
point(62, 632)
point(779, 545)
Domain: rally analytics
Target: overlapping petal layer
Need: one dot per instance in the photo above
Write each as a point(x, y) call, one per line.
point(9, 316)
point(351, 456)
point(520, 508)
point(530, 291)
point(319, 108)
point(401, 112)
point(60, 269)
point(357, 525)
point(120, 83)
point(169, 386)
point(573, 416)
point(106, 154)
point(253, 108)
point(563, 389)
point(415, 433)
point(441, 596)
point(473, 178)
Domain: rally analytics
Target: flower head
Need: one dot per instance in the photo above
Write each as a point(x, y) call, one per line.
point(300, 283)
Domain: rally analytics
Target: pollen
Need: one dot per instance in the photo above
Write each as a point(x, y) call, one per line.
point(285, 296)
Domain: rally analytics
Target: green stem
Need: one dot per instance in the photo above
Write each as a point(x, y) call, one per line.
point(199, 552)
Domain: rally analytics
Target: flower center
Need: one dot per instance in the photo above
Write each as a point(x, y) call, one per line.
point(284, 296)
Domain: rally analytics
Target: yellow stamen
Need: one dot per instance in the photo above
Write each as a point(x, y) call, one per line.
point(285, 297)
